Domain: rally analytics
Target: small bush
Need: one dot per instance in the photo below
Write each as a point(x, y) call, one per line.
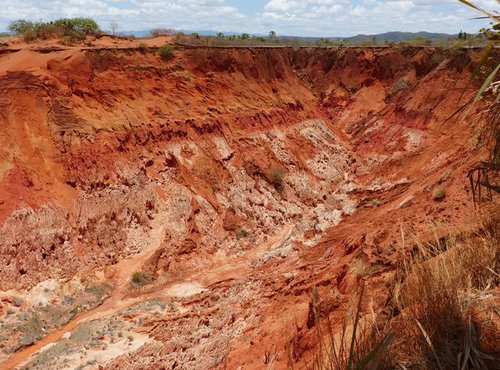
point(140, 278)
point(143, 48)
point(74, 28)
point(439, 193)
point(167, 52)
point(277, 177)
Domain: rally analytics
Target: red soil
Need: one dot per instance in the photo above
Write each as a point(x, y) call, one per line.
point(117, 160)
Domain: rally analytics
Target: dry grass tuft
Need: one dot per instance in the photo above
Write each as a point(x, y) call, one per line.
point(439, 286)
point(439, 193)
point(277, 177)
point(167, 52)
point(359, 344)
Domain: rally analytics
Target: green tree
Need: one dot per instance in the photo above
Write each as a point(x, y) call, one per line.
point(77, 27)
point(20, 26)
point(272, 35)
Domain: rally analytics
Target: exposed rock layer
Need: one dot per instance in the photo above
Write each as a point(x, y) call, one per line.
point(299, 168)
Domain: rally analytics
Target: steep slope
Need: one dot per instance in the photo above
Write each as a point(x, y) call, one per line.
point(238, 180)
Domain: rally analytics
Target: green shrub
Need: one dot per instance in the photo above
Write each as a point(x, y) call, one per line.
point(167, 52)
point(29, 36)
point(140, 278)
point(20, 26)
point(77, 28)
point(31, 31)
point(441, 284)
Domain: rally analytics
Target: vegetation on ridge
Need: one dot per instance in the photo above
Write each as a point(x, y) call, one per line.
point(72, 28)
point(167, 52)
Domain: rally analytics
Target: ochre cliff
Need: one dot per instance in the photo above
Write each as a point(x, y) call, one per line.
point(240, 180)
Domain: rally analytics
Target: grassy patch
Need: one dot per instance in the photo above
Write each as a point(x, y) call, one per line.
point(439, 193)
point(167, 52)
point(442, 305)
point(358, 345)
point(441, 284)
point(31, 324)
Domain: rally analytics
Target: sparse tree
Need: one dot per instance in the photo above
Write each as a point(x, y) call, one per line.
point(220, 35)
point(20, 26)
point(158, 32)
point(272, 35)
point(114, 27)
point(77, 27)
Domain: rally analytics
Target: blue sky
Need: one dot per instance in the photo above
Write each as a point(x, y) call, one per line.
point(286, 17)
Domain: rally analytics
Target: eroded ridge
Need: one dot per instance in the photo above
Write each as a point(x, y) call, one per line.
point(163, 213)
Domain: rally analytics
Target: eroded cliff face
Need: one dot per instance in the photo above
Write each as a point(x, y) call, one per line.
point(237, 179)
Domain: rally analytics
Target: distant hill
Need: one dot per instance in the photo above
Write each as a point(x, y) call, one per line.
point(400, 36)
point(380, 37)
point(145, 33)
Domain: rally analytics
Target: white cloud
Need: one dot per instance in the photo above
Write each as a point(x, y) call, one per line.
point(129, 14)
point(290, 17)
point(345, 18)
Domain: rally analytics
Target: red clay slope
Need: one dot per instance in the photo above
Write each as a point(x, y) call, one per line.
point(257, 174)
